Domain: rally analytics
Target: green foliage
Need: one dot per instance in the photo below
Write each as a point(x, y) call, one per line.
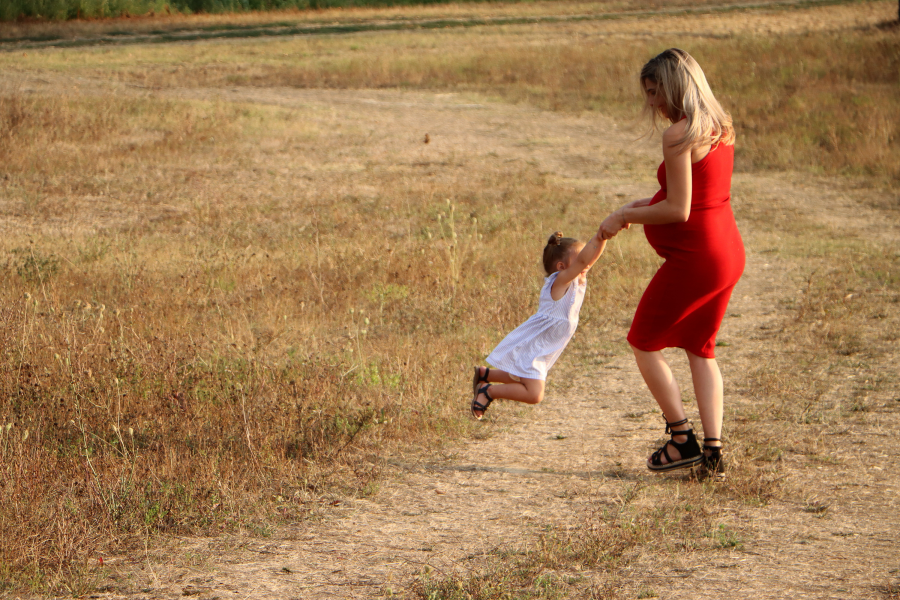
point(32, 265)
point(726, 538)
point(71, 9)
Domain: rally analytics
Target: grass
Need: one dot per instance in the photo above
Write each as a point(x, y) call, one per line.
point(216, 314)
point(820, 102)
point(92, 9)
point(664, 522)
point(56, 10)
point(231, 355)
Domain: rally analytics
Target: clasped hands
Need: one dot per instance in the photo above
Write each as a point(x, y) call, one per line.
point(613, 224)
point(616, 221)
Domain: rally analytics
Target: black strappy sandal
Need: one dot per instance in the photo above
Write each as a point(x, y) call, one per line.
point(689, 450)
point(479, 378)
point(713, 463)
point(482, 408)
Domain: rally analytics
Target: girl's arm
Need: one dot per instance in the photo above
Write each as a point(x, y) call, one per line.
point(585, 259)
point(676, 208)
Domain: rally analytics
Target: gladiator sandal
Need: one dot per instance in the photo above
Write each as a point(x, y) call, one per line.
point(479, 378)
point(713, 462)
point(476, 405)
point(689, 450)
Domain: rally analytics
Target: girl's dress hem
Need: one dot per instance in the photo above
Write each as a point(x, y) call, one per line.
point(531, 349)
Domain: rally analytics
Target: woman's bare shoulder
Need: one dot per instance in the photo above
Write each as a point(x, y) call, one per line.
point(674, 132)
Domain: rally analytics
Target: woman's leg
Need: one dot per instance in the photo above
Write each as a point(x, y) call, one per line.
point(709, 390)
point(659, 379)
point(520, 389)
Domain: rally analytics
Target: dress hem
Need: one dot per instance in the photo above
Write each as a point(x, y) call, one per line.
point(657, 348)
point(516, 373)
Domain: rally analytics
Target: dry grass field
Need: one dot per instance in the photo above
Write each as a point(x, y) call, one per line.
point(242, 295)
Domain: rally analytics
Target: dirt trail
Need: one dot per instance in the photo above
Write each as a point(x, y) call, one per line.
point(576, 452)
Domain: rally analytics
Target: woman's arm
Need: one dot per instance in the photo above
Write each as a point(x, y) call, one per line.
point(585, 259)
point(639, 202)
point(676, 208)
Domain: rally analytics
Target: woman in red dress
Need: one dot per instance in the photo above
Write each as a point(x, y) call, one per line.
point(690, 224)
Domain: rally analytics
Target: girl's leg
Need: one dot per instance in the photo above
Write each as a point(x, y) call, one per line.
point(529, 391)
point(661, 383)
point(498, 376)
point(520, 389)
point(709, 390)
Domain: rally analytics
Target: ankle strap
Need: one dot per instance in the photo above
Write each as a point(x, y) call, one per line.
point(676, 424)
point(713, 450)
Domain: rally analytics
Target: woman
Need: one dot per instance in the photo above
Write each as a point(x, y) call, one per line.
point(690, 224)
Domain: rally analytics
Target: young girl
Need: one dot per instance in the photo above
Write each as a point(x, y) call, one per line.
point(526, 354)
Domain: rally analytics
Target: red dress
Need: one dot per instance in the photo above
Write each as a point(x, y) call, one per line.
point(684, 304)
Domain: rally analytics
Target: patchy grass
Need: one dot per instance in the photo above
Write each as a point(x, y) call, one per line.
point(676, 518)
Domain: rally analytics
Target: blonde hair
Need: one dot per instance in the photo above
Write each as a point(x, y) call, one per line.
point(686, 94)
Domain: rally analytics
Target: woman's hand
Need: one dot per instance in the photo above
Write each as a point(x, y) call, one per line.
point(613, 224)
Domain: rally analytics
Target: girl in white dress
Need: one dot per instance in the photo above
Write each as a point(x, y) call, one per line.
point(524, 356)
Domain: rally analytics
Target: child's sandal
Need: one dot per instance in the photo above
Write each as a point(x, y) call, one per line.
point(476, 405)
point(688, 449)
point(479, 378)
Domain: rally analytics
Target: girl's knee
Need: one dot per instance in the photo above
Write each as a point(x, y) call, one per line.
point(535, 388)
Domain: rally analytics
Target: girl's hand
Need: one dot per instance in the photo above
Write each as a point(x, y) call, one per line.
point(613, 224)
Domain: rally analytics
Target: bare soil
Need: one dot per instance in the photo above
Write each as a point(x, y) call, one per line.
point(530, 469)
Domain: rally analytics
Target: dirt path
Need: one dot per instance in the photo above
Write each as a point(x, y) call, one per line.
point(551, 465)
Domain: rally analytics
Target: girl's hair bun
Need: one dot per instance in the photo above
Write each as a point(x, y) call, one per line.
point(556, 250)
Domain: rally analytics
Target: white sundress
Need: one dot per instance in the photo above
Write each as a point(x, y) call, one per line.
point(531, 348)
